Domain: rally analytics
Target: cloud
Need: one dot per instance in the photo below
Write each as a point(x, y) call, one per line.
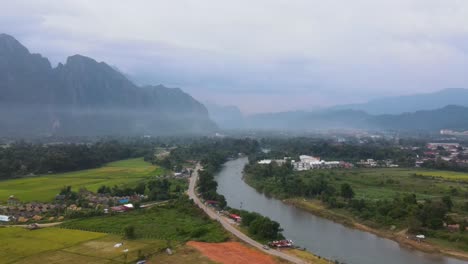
point(284, 54)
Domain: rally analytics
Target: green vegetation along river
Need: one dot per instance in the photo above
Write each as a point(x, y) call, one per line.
point(320, 236)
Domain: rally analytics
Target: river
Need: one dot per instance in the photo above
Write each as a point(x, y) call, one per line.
point(318, 235)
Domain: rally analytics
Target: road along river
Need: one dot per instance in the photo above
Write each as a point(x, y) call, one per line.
point(320, 236)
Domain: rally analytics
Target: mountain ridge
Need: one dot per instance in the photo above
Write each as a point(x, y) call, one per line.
point(411, 103)
point(84, 96)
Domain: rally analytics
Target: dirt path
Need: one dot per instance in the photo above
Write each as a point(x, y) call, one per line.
point(231, 253)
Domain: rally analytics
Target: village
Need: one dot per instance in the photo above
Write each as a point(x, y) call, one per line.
point(454, 154)
point(83, 203)
point(88, 204)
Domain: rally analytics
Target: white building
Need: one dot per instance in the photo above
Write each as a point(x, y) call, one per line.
point(310, 162)
point(367, 163)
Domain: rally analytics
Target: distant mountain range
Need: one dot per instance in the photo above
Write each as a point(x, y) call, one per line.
point(445, 109)
point(85, 97)
point(448, 117)
point(411, 103)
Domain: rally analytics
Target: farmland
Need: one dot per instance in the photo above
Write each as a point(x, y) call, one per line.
point(45, 187)
point(178, 221)
point(56, 245)
point(383, 183)
point(19, 243)
point(419, 200)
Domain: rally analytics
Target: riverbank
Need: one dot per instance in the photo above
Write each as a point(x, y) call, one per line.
point(307, 256)
point(228, 227)
point(316, 208)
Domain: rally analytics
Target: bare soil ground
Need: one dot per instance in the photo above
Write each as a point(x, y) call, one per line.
point(232, 253)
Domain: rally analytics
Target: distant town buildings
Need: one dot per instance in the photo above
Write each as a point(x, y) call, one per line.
point(306, 162)
point(449, 132)
point(451, 152)
point(369, 163)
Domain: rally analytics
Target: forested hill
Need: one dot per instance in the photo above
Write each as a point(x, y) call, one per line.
point(86, 97)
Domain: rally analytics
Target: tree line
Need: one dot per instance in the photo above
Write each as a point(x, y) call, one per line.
point(212, 154)
point(419, 216)
point(21, 158)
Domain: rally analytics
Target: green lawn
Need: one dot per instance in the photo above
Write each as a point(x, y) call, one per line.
point(44, 188)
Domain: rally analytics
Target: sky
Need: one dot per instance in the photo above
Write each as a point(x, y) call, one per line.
point(263, 55)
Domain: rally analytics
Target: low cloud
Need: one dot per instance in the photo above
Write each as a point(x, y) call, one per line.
point(265, 55)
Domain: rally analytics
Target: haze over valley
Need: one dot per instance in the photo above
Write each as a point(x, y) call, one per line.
point(263, 132)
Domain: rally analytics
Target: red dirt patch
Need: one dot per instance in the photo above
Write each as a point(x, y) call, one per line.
point(231, 253)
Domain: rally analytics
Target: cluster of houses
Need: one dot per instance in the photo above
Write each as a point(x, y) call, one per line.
point(183, 174)
point(371, 163)
point(449, 132)
point(106, 201)
point(16, 211)
point(451, 152)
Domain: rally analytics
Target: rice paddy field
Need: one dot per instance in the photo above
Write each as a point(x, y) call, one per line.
point(56, 245)
point(44, 188)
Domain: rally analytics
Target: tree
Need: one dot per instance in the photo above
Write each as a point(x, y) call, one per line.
point(129, 232)
point(346, 191)
point(448, 202)
point(104, 190)
point(462, 226)
point(140, 188)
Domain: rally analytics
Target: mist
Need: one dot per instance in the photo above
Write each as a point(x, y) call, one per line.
point(267, 56)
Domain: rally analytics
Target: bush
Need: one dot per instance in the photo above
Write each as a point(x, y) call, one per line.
point(129, 232)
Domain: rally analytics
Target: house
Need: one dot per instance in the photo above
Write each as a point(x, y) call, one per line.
point(369, 163)
point(235, 217)
point(210, 202)
point(310, 162)
point(13, 201)
point(5, 218)
point(124, 201)
point(120, 209)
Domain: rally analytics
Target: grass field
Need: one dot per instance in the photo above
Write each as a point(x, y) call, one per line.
point(387, 183)
point(56, 245)
point(450, 175)
point(156, 223)
point(44, 188)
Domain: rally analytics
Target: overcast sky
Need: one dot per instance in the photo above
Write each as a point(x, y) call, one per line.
point(262, 55)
